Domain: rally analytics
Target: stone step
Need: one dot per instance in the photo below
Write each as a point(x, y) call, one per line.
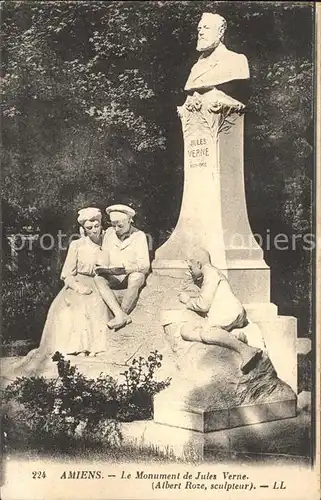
point(260, 310)
point(288, 437)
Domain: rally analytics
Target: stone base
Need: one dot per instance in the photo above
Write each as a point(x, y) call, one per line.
point(214, 373)
point(280, 338)
point(210, 393)
point(201, 420)
point(275, 440)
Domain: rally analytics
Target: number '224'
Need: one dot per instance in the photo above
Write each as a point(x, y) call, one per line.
point(40, 474)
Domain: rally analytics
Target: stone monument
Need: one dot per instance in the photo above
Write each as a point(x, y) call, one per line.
point(213, 211)
point(208, 391)
point(214, 216)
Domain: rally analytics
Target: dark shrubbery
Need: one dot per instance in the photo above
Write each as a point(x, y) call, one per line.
point(26, 298)
point(58, 412)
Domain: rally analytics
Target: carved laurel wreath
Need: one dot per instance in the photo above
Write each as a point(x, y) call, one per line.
point(213, 115)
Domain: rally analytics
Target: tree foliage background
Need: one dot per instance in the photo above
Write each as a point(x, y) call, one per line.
point(90, 91)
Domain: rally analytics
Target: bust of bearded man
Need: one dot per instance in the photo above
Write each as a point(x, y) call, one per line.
point(220, 71)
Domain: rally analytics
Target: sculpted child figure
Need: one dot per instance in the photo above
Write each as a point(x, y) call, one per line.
point(76, 322)
point(217, 312)
point(77, 319)
point(125, 249)
point(79, 316)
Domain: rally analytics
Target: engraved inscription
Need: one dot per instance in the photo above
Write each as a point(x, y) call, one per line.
point(198, 149)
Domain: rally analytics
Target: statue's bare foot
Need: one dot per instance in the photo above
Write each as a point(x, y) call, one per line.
point(251, 359)
point(119, 321)
point(128, 322)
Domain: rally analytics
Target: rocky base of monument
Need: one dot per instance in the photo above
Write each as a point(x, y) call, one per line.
point(207, 391)
point(229, 399)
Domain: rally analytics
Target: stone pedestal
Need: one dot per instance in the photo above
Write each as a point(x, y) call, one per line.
point(281, 438)
point(203, 419)
point(280, 338)
point(214, 216)
point(213, 212)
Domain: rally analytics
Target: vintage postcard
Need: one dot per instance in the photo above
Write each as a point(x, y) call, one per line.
point(160, 195)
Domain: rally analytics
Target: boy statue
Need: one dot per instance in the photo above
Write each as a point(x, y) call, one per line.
point(217, 310)
point(125, 248)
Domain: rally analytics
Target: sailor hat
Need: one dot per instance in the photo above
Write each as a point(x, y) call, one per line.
point(121, 208)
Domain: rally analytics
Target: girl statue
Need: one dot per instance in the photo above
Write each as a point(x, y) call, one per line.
point(77, 321)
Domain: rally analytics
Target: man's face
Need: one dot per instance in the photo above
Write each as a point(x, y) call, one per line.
point(195, 268)
point(209, 34)
point(121, 222)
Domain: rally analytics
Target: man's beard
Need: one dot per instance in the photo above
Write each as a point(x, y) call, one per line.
point(204, 44)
